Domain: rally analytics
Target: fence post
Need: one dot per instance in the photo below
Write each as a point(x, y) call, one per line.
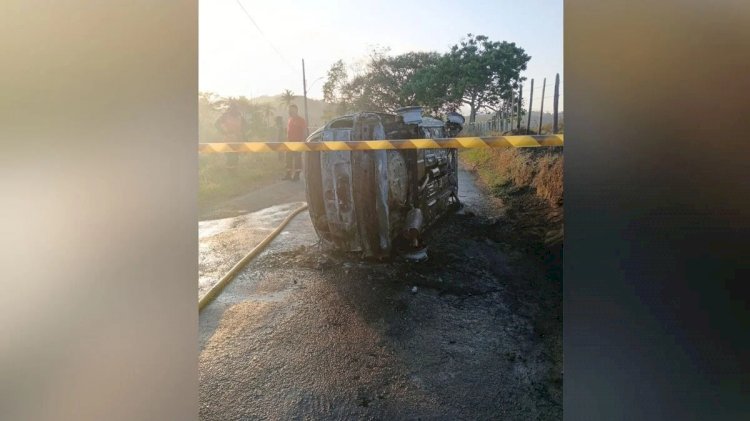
point(531, 100)
point(510, 111)
point(520, 101)
point(541, 107)
point(557, 97)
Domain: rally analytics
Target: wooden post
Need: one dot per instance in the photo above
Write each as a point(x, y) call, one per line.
point(510, 117)
point(531, 101)
point(555, 103)
point(541, 107)
point(520, 101)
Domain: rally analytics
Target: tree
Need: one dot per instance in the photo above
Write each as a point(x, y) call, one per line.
point(266, 111)
point(480, 72)
point(208, 98)
point(430, 86)
point(390, 81)
point(477, 72)
point(208, 112)
point(334, 89)
point(384, 84)
point(287, 98)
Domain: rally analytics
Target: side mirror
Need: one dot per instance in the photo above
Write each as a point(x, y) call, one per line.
point(455, 123)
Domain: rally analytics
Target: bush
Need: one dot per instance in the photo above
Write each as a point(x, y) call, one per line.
point(549, 179)
point(217, 183)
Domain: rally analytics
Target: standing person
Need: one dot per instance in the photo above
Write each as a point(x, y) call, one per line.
point(280, 134)
point(296, 131)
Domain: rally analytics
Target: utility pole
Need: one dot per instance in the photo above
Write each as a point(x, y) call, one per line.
point(304, 93)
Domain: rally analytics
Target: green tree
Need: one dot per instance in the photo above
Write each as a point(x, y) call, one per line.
point(208, 112)
point(287, 98)
point(430, 85)
point(390, 82)
point(335, 92)
point(266, 111)
point(255, 117)
point(479, 72)
point(386, 83)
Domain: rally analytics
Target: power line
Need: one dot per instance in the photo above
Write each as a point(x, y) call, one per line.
point(265, 37)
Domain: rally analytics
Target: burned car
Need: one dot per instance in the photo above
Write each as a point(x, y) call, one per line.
point(378, 203)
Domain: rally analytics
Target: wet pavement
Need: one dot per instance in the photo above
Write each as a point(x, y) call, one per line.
point(224, 242)
point(474, 333)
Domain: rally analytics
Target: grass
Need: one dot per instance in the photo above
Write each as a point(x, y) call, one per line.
point(217, 183)
point(510, 172)
point(540, 170)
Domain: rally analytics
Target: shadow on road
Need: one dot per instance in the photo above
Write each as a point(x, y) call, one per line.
point(474, 333)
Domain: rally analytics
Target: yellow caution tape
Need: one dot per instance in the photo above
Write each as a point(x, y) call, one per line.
point(372, 145)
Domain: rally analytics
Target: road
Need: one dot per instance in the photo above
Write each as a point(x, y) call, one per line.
point(276, 193)
point(474, 333)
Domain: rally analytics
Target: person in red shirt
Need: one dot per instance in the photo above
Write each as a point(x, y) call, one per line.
point(296, 132)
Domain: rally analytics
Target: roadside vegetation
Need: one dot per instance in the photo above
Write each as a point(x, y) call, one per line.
point(529, 181)
point(217, 183)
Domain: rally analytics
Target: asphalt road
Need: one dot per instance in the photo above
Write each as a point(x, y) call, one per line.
point(474, 333)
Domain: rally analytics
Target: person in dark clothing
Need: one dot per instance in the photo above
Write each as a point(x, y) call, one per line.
point(296, 132)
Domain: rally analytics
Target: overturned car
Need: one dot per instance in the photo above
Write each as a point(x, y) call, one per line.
point(379, 202)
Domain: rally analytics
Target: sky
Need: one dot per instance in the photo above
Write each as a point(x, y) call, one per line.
point(235, 58)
